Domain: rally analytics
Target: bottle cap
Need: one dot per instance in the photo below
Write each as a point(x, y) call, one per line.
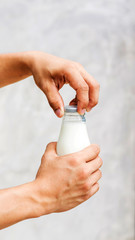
point(71, 108)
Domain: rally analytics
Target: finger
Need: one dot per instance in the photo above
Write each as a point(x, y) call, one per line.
point(91, 192)
point(94, 189)
point(87, 154)
point(77, 82)
point(95, 177)
point(94, 88)
point(51, 148)
point(54, 98)
point(94, 165)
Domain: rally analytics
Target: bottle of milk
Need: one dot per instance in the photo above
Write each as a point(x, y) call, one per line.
point(73, 134)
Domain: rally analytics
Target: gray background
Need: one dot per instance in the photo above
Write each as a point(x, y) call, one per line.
point(99, 34)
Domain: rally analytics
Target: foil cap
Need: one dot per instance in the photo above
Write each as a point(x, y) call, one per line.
point(70, 108)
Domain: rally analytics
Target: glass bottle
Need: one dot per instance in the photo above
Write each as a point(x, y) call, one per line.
point(73, 135)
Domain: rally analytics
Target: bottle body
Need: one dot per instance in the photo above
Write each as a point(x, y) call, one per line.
point(73, 134)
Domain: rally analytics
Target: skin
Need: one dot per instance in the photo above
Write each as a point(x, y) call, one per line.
point(76, 175)
point(76, 180)
point(50, 74)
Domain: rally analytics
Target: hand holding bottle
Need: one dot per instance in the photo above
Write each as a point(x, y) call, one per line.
point(63, 182)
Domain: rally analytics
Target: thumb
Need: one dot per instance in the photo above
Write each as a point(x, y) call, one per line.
point(51, 153)
point(55, 100)
point(51, 148)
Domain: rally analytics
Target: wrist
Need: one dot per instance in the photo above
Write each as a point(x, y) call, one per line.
point(43, 199)
point(27, 60)
point(30, 59)
point(26, 196)
point(31, 198)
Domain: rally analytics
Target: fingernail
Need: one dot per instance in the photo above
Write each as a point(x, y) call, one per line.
point(59, 112)
point(82, 111)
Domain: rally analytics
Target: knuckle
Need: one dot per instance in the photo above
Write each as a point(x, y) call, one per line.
point(45, 86)
point(95, 85)
point(79, 64)
point(94, 189)
point(100, 173)
point(93, 102)
point(86, 187)
point(53, 102)
point(68, 69)
point(71, 65)
point(100, 162)
point(84, 87)
point(74, 161)
point(83, 174)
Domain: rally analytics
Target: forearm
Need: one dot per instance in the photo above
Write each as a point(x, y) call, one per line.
point(13, 68)
point(17, 204)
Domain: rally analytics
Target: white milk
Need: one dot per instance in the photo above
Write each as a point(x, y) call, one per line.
point(73, 135)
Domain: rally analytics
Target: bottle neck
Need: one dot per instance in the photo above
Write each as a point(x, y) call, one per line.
point(74, 117)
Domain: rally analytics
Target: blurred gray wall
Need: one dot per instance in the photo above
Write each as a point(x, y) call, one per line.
point(101, 36)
